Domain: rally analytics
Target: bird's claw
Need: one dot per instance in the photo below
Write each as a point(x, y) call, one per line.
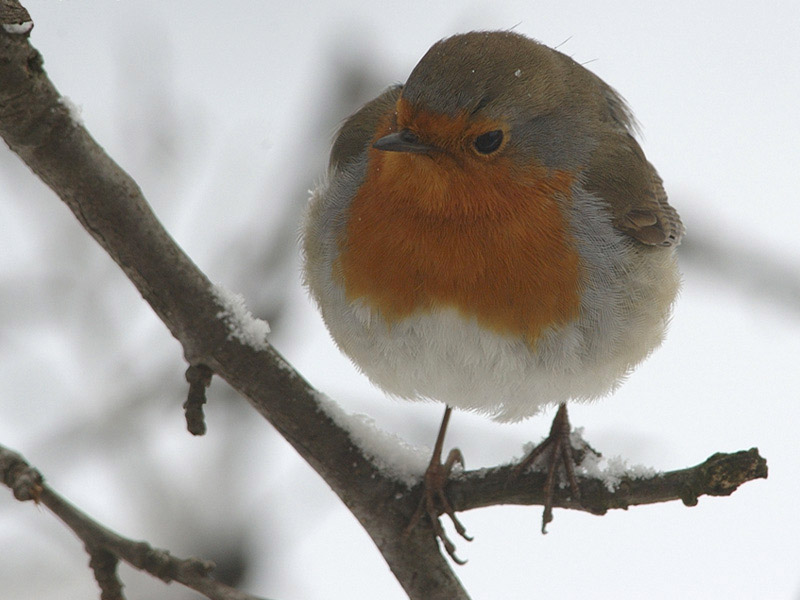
point(559, 448)
point(434, 502)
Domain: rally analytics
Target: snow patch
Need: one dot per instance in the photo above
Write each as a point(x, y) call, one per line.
point(391, 455)
point(75, 110)
point(611, 471)
point(241, 324)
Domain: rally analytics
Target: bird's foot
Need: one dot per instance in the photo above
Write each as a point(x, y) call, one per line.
point(559, 449)
point(434, 502)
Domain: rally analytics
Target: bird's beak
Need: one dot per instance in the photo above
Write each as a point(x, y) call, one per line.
point(402, 141)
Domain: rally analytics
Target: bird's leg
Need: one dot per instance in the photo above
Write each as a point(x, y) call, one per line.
point(434, 500)
point(560, 450)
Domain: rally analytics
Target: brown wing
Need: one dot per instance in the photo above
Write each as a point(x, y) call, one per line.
point(358, 130)
point(620, 174)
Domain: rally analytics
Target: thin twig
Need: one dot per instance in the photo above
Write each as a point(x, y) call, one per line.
point(199, 378)
point(719, 475)
point(106, 546)
point(104, 565)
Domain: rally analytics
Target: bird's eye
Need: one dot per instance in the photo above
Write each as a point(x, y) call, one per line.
point(488, 142)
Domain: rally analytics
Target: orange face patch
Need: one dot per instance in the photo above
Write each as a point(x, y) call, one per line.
point(453, 229)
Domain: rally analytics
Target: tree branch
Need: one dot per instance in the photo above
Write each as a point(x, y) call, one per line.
point(105, 546)
point(104, 565)
point(719, 475)
point(199, 378)
point(36, 124)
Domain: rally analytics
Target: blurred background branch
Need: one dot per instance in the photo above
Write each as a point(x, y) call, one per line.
point(748, 268)
point(105, 546)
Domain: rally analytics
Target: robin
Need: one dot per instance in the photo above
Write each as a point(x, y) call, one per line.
point(490, 235)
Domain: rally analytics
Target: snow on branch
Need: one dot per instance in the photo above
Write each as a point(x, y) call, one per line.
point(719, 475)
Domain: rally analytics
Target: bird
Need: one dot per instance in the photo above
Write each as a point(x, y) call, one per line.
point(491, 236)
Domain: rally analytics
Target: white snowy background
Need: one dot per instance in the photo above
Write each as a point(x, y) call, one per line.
point(224, 112)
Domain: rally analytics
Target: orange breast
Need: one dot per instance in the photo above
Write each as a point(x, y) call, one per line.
point(483, 237)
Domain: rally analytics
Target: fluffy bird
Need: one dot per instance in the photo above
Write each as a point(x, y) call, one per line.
point(491, 236)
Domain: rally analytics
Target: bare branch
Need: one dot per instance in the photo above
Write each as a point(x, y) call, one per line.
point(37, 126)
point(199, 378)
point(104, 564)
point(719, 475)
point(105, 546)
